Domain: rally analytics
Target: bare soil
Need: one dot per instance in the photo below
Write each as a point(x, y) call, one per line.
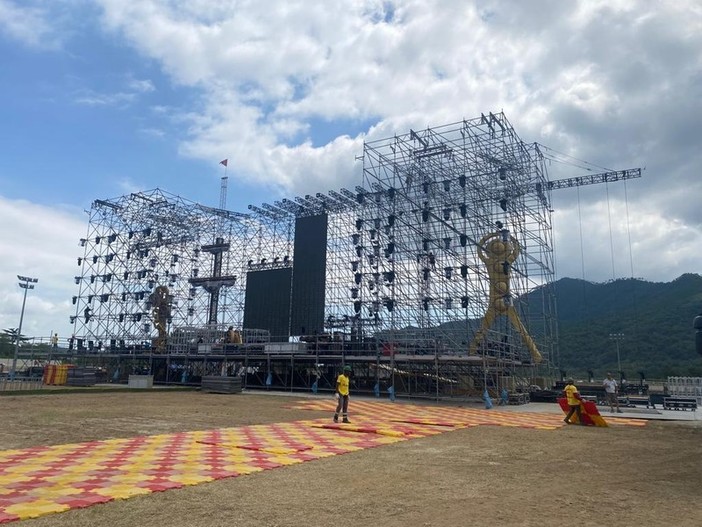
point(486, 475)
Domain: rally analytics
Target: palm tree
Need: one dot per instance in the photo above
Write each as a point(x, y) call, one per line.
point(12, 333)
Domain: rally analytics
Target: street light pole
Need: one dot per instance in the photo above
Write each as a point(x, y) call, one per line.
point(616, 337)
point(25, 283)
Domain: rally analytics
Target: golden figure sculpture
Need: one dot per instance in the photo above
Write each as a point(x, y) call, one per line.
point(160, 312)
point(498, 253)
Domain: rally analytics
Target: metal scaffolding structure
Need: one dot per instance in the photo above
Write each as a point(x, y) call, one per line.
point(430, 201)
point(439, 268)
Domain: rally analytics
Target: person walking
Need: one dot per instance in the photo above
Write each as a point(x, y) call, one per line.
point(573, 399)
point(54, 341)
point(342, 395)
point(611, 393)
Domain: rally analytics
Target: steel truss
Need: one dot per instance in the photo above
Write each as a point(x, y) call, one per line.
point(159, 273)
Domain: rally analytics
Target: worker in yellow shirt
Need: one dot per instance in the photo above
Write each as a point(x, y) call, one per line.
point(342, 395)
point(574, 401)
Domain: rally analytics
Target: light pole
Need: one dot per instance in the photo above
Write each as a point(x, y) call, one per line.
point(616, 337)
point(25, 283)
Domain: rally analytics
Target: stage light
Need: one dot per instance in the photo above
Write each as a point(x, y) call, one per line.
point(464, 210)
point(502, 173)
point(504, 233)
point(463, 239)
point(503, 204)
point(80, 261)
point(447, 214)
point(391, 220)
point(447, 243)
point(464, 302)
point(464, 271)
point(448, 271)
point(447, 185)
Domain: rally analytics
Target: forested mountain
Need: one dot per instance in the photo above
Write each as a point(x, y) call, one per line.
point(654, 318)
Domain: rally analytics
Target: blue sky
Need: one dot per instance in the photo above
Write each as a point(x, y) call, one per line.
point(105, 97)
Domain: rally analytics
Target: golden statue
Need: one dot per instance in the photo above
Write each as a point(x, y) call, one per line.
point(498, 252)
point(160, 313)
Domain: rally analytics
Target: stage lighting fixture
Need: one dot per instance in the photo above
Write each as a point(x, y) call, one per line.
point(80, 261)
point(463, 239)
point(447, 243)
point(354, 292)
point(447, 214)
point(464, 271)
point(464, 210)
point(359, 224)
point(448, 271)
point(358, 278)
point(391, 220)
point(502, 173)
point(503, 204)
point(447, 185)
point(464, 302)
point(462, 181)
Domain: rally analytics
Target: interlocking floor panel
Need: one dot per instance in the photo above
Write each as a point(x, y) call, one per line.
point(43, 480)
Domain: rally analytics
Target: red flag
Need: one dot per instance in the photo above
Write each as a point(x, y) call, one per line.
point(224, 162)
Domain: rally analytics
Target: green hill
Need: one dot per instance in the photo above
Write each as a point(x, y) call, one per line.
point(655, 319)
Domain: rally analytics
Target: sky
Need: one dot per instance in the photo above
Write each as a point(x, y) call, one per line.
point(100, 98)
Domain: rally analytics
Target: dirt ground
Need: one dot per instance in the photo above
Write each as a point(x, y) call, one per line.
point(486, 475)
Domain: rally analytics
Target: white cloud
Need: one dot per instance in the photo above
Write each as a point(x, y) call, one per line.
point(618, 83)
point(29, 25)
point(40, 242)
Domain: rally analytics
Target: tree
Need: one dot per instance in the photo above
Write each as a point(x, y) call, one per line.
point(11, 334)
